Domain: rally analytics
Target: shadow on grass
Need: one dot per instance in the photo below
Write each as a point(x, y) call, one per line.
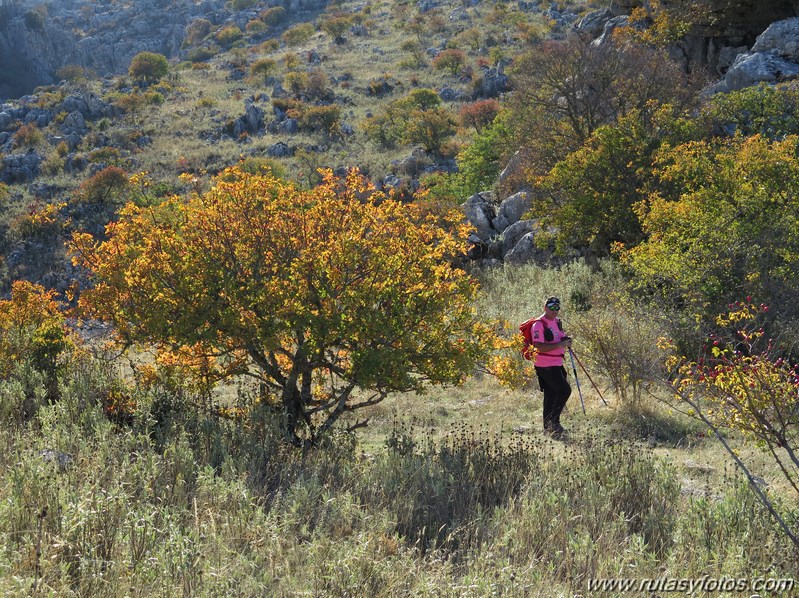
point(653, 423)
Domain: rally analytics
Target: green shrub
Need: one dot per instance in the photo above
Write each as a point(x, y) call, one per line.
point(273, 15)
point(202, 54)
point(450, 60)
point(71, 73)
point(197, 31)
point(620, 342)
point(296, 82)
point(268, 46)
point(260, 166)
point(336, 27)
point(33, 334)
point(148, 67)
point(321, 118)
point(107, 186)
point(53, 164)
point(429, 128)
point(256, 27)
point(28, 136)
point(229, 35)
point(298, 34)
point(239, 5)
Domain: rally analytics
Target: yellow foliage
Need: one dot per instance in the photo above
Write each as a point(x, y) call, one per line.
point(31, 327)
point(337, 281)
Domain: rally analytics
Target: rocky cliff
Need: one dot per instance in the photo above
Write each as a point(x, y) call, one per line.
point(102, 36)
point(721, 25)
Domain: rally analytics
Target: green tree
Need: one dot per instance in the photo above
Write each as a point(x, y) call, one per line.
point(479, 164)
point(32, 329)
point(263, 68)
point(593, 193)
point(273, 15)
point(478, 114)
point(332, 297)
point(228, 36)
point(450, 60)
point(148, 67)
point(429, 128)
point(723, 224)
point(326, 119)
point(336, 27)
point(768, 110)
point(196, 32)
point(298, 34)
point(415, 118)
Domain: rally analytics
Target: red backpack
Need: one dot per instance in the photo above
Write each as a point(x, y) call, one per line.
point(526, 328)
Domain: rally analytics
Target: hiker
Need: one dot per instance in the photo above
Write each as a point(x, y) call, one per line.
point(551, 344)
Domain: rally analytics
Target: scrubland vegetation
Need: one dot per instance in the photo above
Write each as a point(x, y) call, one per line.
point(120, 485)
point(209, 436)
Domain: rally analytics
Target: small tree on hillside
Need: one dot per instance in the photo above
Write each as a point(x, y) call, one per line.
point(336, 27)
point(450, 60)
point(478, 114)
point(148, 67)
point(331, 297)
point(745, 385)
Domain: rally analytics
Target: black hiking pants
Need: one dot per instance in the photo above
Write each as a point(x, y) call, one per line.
point(556, 392)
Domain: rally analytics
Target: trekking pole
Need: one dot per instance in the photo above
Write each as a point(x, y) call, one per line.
point(577, 380)
point(589, 377)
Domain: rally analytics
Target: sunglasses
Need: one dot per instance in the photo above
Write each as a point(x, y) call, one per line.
point(554, 307)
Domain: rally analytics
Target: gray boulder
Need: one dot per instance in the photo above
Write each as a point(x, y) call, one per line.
point(5, 120)
point(20, 168)
point(288, 126)
point(610, 26)
point(426, 5)
point(726, 57)
point(89, 105)
point(512, 176)
point(479, 211)
point(751, 69)
point(38, 116)
point(250, 122)
point(449, 94)
point(279, 92)
point(412, 165)
point(525, 252)
point(390, 181)
point(511, 210)
point(62, 461)
point(781, 38)
point(279, 150)
point(514, 233)
point(493, 82)
point(74, 123)
point(593, 23)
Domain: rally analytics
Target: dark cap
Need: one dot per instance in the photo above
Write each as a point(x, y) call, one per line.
point(552, 301)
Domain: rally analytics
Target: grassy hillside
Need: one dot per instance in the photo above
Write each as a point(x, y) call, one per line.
point(451, 493)
point(122, 479)
point(332, 84)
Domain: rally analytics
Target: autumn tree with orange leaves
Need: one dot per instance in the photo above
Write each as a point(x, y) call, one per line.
point(331, 297)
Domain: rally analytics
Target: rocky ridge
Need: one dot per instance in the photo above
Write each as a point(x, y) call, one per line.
point(103, 36)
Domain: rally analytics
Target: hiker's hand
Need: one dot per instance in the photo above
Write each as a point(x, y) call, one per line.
point(566, 342)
